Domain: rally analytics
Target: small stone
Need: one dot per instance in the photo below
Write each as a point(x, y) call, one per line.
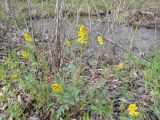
point(141, 90)
point(34, 118)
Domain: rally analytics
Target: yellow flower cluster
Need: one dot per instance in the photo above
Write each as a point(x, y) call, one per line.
point(133, 110)
point(68, 42)
point(27, 37)
point(100, 40)
point(15, 78)
point(82, 35)
point(24, 54)
point(121, 66)
point(56, 88)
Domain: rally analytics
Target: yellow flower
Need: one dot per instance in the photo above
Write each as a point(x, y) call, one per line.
point(24, 54)
point(68, 42)
point(27, 37)
point(121, 65)
point(82, 35)
point(56, 88)
point(15, 78)
point(133, 110)
point(100, 40)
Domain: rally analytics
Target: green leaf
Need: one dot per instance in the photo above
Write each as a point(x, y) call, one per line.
point(59, 112)
point(124, 118)
point(2, 74)
point(2, 117)
point(29, 46)
point(14, 55)
point(14, 110)
point(6, 88)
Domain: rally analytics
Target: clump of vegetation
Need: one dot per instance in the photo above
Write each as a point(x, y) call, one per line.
point(31, 74)
point(152, 80)
point(59, 99)
point(84, 84)
point(3, 15)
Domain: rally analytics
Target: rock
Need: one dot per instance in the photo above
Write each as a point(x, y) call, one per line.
point(34, 118)
point(140, 90)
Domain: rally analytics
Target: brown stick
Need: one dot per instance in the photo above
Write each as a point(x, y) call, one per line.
point(57, 52)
